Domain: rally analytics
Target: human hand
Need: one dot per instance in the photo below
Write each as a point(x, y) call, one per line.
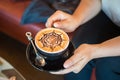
point(82, 55)
point(13, 78)
point(62, 20)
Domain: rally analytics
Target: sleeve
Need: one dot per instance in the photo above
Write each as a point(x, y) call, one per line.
point(112, 9)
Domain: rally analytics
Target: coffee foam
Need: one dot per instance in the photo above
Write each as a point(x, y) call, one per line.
point(51, 40)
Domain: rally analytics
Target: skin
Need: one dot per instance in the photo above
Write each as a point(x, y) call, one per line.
point(85, 52)
point(86, 10)
point(12, 78)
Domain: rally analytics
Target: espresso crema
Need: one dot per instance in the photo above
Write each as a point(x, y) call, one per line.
point(51, 40)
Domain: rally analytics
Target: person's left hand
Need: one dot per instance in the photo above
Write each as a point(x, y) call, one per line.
point(82, 55)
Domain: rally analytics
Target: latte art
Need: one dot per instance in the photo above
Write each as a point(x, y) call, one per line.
point(52, 40)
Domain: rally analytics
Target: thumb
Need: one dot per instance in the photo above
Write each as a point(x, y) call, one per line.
point(58, 25)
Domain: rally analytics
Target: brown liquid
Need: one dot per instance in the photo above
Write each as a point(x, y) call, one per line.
point(51, 40)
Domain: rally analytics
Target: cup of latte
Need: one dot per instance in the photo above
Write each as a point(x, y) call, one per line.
point(51, 42)
point(49, 50)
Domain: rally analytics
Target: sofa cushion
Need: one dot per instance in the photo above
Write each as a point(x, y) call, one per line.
point(10, 17)
point(37, 11)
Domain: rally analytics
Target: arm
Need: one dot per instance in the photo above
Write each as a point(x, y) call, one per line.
point(86, 52)
point(86, 10)
point(108, 48)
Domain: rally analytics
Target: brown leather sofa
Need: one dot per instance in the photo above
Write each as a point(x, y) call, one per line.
point(10, 15)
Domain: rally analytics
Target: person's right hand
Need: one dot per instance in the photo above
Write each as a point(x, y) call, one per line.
point(63, 21)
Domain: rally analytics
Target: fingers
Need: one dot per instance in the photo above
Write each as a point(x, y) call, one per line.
point(50, 22)
point(57, 24)
point(56, 17)
point(76, 63)
point(61, 25)
point(79, 54)
point(80, 66)
point(65, 71)
point(74, 59)
point(76, 68)
point(62, 21)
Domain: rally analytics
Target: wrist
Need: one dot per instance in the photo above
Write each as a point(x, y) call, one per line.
point(95, 51)
point(77, 20)
point(100, 51)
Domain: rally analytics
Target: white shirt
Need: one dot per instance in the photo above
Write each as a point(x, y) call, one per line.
point(112, 10)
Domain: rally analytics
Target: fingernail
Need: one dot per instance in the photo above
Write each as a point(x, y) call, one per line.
point(55, 25)
point(66, 64)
